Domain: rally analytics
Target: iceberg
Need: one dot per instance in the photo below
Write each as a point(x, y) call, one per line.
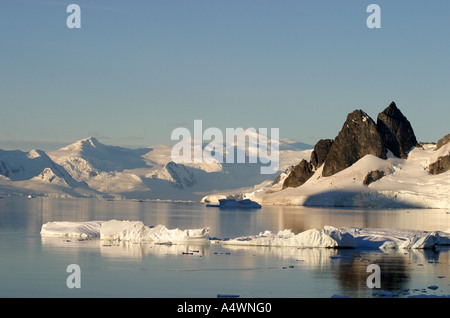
point(331, 237)
point(136, 231)
point(327, 237)
point(116, 230)
point(72, 229)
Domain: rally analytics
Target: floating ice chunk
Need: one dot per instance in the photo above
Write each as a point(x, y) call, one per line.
point(137, 231)
point(427, 240)
point(124, 231)
point(83, 229)
point(327, 237)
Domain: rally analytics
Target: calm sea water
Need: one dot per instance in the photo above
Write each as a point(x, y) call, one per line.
point(31, 266)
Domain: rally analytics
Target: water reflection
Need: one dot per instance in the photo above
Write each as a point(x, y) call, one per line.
point(346, 268)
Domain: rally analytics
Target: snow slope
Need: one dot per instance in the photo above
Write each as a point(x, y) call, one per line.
point(407, 183)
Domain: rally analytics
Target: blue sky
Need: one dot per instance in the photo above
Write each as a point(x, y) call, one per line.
point(138, 69)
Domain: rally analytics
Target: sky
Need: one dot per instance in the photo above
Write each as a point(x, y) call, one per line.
point(136, 69)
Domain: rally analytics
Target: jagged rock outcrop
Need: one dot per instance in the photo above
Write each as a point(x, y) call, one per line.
point(443, 141)
point(361, 136)
point(396, 131)
point(373, 176)
point(320, 152)
point(358, 137)
point(441, 165)
point(299, 175)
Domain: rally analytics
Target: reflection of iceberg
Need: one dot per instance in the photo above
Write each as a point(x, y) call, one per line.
point(236, 204)
point(123, 231)
point(126, 249)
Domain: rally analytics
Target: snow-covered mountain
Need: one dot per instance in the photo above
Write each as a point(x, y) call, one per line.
point(35, 173)
point(90, 168)
point(406, 183)
point(372, 165)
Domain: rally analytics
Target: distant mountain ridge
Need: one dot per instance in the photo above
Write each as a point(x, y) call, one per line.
point(89, 168)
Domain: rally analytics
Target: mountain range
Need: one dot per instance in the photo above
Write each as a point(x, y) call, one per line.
point(370, 163)
point(89, 168)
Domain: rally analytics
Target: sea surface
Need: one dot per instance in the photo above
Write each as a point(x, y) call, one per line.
point(32, 266)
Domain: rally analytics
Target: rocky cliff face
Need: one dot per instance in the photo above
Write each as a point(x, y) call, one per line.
point(299, 175)
point(396, 131)
point(320, 152)
point(359, 136)
point(442, 164)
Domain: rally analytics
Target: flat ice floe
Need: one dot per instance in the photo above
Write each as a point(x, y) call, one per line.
point(134, 231)
point(327, 237)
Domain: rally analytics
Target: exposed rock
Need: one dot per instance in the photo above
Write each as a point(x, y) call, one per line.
point(441, 165)
point(441, 142)
point(358, 137)
point(299, 175)
point(320, 152)
point(373, 176)
point(396, 131)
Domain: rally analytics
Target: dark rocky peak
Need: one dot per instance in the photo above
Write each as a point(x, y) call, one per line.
point(358, 137)
point(299, 175)
point(396, 131)
point(320, 152)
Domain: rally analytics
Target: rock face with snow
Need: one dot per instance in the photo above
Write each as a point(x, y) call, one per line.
point(299, 174)
point(320, 152)
point(358, 137)
point(443, 141)
point(361, 169)
point(441, 165)
point(373, 176)
point(396, 131)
